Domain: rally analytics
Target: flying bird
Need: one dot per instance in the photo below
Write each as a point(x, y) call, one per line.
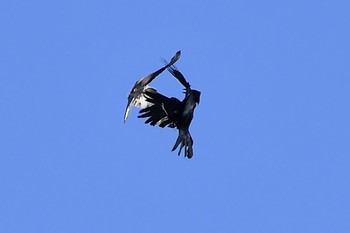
point(136, 96)
point(171, 112)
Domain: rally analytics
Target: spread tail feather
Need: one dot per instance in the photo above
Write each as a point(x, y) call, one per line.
point(186, 141)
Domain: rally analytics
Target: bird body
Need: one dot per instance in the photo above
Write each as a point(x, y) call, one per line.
point(160, 110)
point(171, 112)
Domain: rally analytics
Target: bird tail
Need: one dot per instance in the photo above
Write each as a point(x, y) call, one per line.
point(186, 141)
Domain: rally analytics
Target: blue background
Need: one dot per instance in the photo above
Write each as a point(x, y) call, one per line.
point(271, 133)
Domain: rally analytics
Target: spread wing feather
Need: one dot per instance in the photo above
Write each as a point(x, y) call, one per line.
point(163, 111)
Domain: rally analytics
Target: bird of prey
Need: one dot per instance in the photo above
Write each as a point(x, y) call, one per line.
point(171, 112)
point(136, 96)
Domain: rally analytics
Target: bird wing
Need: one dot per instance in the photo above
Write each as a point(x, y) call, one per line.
point(138, 89)
point(178, 75)
point(163, 111)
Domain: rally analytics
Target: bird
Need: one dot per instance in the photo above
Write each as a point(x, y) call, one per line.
point(136, 95)
point(171, 112)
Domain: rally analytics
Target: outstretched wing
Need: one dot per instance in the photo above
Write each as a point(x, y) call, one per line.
point(163, 111)
point(178, 75)
point(136, 93)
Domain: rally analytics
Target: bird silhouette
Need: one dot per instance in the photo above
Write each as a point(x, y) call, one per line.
point(171, 112)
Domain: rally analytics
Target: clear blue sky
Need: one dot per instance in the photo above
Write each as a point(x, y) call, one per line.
point(271, 152)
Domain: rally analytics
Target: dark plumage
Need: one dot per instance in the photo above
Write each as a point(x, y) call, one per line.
point(136, 96)
point(171, 112)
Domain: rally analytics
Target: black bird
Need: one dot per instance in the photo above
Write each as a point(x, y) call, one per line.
point(171, 112)
point(136, 96)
